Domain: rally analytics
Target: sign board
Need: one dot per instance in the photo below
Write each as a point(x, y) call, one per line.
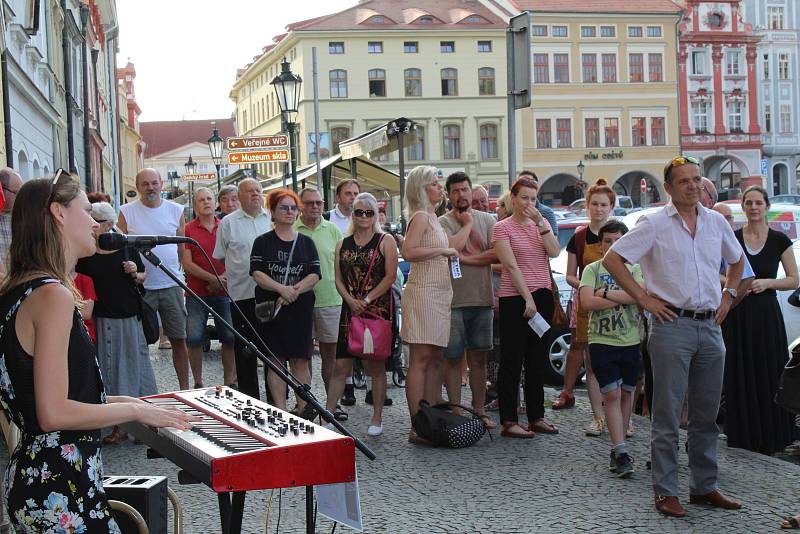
point(200, 177)
point(518, 50)
point(764, 169)
point(258, 156)
point(257, 142)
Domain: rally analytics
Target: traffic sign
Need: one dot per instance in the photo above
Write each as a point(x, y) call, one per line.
point(644, 185)
point(764, 169)
point(258, 156)
point(256, 142)
point(200, 177)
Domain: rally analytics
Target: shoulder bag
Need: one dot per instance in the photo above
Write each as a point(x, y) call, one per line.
point(146, 314)
point(788, 395)
point(267, 310)
point(443, 428)
point(369, 335)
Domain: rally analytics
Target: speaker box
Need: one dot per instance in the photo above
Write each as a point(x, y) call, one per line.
point(147, 494)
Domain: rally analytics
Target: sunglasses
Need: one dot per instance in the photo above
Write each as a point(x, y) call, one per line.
point(287, 209)
point(59, 173)
point(680, 160)
point(364, 213)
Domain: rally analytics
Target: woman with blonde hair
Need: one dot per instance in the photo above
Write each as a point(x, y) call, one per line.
point(428, 292)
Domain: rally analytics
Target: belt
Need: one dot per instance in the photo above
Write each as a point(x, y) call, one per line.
point(693, 314)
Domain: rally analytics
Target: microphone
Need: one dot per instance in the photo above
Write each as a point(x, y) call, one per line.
point(114, 241)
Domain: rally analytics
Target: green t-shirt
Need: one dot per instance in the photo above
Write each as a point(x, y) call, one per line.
point(325, 236)
point(618, 326)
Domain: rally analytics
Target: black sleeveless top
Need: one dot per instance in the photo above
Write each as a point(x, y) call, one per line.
point(17, 394)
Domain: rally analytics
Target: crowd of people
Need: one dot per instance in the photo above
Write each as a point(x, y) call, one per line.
point(680, 293)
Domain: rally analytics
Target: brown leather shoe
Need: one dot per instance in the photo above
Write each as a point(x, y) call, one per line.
point(669, 505)
point(715, 499)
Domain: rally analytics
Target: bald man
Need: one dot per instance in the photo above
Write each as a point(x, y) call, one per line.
point(708, 193)
point(235, 237)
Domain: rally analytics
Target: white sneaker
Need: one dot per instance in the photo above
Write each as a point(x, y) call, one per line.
point(374, 430)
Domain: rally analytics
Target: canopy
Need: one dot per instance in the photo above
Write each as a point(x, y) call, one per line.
point(372, 177)
point(379, 140)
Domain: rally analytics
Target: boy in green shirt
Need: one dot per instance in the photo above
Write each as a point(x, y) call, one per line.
point(613, 344)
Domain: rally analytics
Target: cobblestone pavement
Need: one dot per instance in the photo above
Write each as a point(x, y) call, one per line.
point(549, 484)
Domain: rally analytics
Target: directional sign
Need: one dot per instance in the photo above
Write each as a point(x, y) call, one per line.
point(257, 142)
point(258, 156)
point(201, 177)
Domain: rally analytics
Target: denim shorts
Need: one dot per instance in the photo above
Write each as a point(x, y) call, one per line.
point(615, 367)
point(470, 329)
point(198, 318)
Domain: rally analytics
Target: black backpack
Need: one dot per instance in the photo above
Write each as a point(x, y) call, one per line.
point(444, 428)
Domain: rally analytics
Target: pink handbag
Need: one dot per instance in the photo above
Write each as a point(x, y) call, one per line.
point(370, 336)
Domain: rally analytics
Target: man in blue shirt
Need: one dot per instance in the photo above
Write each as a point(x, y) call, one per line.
point(546, 211)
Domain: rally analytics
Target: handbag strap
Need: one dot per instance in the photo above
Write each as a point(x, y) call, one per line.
point(371, 262)
point(289, 261)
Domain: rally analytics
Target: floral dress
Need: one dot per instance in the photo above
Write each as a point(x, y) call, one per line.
point(54, 480)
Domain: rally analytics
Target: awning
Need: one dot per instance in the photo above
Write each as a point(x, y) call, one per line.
point(371, 176)
point(379, 140)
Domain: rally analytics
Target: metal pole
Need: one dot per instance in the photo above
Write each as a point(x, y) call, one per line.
point(402, 169)
point(316, 112)
point(511, 110)
point(293, 154)
point(219, 183)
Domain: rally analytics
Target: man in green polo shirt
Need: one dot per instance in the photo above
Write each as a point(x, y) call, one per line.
point(328, 302)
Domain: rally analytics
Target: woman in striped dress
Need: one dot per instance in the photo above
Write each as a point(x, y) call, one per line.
point(428, 293)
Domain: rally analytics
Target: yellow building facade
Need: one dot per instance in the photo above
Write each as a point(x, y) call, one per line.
point(605, 94)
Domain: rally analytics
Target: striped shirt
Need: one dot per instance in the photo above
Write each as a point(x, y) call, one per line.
point(528, 248)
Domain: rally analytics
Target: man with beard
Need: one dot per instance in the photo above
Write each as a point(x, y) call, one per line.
point(470, 233)
point(153, 215)
point(342, 214)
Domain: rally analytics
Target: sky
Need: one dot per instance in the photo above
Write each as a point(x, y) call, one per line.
point(186, 52)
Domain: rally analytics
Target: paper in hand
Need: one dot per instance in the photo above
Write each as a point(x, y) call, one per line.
point(538, 324)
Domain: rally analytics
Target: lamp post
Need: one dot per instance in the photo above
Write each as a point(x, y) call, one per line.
point(215, 147)
point(191, 168)
point(287, 88)
point(172, 176)
point(581, 183)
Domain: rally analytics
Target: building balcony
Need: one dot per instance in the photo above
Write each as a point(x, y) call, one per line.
point(701, 138)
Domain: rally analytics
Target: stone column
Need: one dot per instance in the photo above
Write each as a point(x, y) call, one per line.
point(752, 94)
point(719, 98)
point(683, 87)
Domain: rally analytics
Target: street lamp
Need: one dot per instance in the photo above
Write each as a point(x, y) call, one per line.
point(287, 88)
point(215, 147)
point(190, 165)
point(581, 183)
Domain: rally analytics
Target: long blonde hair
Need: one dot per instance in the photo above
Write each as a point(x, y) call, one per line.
point(37, 245)
point(416, 196)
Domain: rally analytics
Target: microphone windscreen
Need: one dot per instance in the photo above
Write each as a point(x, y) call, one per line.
point(111, 241)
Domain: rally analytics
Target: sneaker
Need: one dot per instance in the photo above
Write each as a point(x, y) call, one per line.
point(595, 428)
point(368, 399)
point(629, 433)
point(348, 398)
point(624, 465)
point(612, 465)
point(375, 430)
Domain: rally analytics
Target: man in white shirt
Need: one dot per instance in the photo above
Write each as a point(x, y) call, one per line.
point(235, 237)
point(680, 249)
point(342, 214)
point(153, 215)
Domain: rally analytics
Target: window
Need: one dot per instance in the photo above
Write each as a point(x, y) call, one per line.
point(609, 68)
point(658, 133)
point(447, 47)
point(425, 20)
point(700, 116)
point(543, 133)
point(560, 31)
point(338, 79)
point(732, 62)
point(775, 18)
point(486, 81)
point(656, 67)
point(484, 46)
point(765, 66)
point(592, 132)
point(561, 68)
point(451, 137)
point(449, 82)
point(416, 152)
point(636, 67)
point(783, 66)
point(488, 141)
point(611, 127)
point(541, 71)
point(411, 47)
point(539, 30)
point(375, 47)
point(735, 115)
point(589, 68)
point(698, 62)
point(563, 133)
point(588, 31)
point(339, 134)
point(608, 31)
point(634, 31)
point(767, 118)
point(377, 82)
point(377, 19)
point(336, 47)
point(474, 19)
point(412, 80)
point(638, 131)
point(786, 118)
point(654, 31)
point(715, 20)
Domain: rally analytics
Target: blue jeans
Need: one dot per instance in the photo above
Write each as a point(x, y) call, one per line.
point(197, 318)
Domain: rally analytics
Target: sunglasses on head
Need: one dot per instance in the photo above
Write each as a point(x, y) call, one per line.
point(59, 173)
point(364, 213)
point(680, 160)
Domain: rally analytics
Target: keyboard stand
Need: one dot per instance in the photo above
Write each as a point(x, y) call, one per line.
point(231, 511)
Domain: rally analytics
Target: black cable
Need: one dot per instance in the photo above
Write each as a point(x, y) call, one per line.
point(278, 524)
point(334, 527)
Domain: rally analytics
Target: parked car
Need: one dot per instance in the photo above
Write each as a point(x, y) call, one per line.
point(621, 206)
point(785, 199)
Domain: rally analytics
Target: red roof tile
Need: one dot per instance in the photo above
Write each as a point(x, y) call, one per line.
point(598, 6)
point(163, 136)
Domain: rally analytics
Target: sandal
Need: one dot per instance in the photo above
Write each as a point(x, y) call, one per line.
point(116, 437)
point(488, 422)
point(339, 414)
point(414, 438)
point(565, 400)
point(543, 426)
point(493, 406)
point(791, 523)
point(516, 430)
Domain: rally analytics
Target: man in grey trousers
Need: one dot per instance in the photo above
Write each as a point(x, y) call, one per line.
point(680, 249)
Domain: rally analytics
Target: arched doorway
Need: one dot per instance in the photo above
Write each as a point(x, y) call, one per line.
point(630, 184)
point(726, 172)
point(780, 179)
point(559, 190)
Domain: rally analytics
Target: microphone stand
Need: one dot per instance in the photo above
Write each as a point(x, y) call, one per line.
point(302, 391)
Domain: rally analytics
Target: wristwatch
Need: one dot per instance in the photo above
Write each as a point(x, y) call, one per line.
point(732, 292)
point(540, 224)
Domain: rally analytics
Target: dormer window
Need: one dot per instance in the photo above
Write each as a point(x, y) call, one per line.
point(474, 19)
point(377, 19)
point(425, 20)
